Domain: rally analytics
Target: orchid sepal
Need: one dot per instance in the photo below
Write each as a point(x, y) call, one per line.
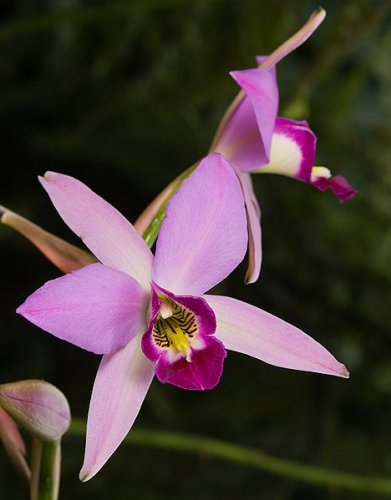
point(106, 232)
point(249, 330)
point(62, 254)
point(121, 384)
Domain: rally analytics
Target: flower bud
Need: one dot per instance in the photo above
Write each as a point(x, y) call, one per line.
point(38, 407)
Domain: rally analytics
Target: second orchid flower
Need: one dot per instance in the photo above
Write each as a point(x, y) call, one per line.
point(255, 140)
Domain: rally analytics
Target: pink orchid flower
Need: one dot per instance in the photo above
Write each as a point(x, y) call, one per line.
point(254, 140)
point(149, 314)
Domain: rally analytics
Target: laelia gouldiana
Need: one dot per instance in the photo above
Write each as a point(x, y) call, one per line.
point(149, 314)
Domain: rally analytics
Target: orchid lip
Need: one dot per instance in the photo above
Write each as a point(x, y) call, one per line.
point(177, 324)
point(180, 339)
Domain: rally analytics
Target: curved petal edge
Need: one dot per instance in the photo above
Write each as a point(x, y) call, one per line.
point(250, 330)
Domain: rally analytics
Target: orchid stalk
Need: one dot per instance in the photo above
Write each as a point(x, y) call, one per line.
point(45, 461)
point(149, 315)
point(256, 458)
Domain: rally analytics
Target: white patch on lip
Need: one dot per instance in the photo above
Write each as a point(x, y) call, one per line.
point(285, 157)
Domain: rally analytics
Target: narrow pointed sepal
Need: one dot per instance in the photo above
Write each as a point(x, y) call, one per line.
point(250, 330)
point(296, 39)
point(105, 231)
point(62, 254)
point(121, 384)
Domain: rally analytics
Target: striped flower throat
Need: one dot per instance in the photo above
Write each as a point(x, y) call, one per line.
point(180, 340)
point(175, 327)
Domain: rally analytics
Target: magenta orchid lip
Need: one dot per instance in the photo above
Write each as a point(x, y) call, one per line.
point(180, 339)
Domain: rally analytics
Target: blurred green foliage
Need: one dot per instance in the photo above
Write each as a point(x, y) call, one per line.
point(126, 95)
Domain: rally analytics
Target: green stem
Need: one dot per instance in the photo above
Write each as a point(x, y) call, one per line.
point(45, 468)
point(150, 234)
point(246, 456)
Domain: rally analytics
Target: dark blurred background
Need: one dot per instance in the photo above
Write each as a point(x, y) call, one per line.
point(126, 95)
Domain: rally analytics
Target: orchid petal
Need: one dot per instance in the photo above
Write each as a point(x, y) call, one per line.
point(96, 308)
point(293, 150)
point(203, 236)
point(65, 256)
point(246, 138)
point(105, 231)
point(249, 330)
point(119, 390)
point(253, 227)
